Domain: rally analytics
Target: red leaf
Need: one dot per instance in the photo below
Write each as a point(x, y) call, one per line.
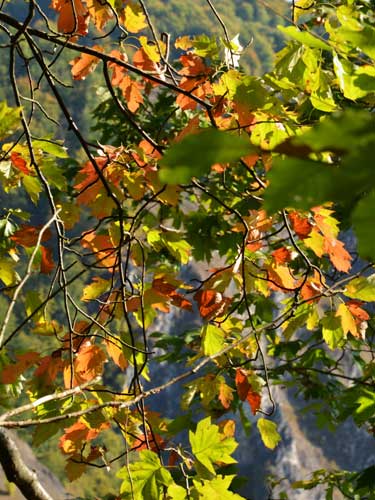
point(242, 384)
point(301, 225)
point(73, 16)
point(254, 399)
point(19, 163)
point(46, 265)
point(27, 236)
point(11, 372)
point(281, 255)
point(210, 303)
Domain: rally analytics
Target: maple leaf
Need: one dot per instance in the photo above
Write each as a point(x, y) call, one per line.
point(281, 255)
point(49, 367)
point(47, 264)
point(211, 303)
point(100, 12)
point(225, 395)
point(301, 225)
point(143, 61)
point(73, 17)
point(254, 399)
point(19, 163)
point(89, 361)
point(242, 384)
point(84, 64)
point(347, 320)
point(11, 372)
point(118, 72)
point(78, 434)
point(27, 236)
point(115, 351)
point(131, 90)
point(101, 246)
point(338, 255)
point(134, 18)
point(281, 277)
point(355, 308)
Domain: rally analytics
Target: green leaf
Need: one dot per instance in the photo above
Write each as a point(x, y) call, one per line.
point(33, 187)
point(216, 489)
point(332, 331)
point(97, 287)
point(209, 446)
point(268, 433)
point(145, 478)
point(212, 339)
point(52, 148)
point(10, 119)
point(7, 273)
point(195, 154)
point(298, 183)
point(361, 288)
point(349, 78)
point(176, 492)
point(363, 218)
point(304, 37)
point(177, 246)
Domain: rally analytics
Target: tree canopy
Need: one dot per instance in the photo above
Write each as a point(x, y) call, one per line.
point(186, 188)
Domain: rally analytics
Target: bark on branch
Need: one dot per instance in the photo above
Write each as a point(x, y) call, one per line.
point(17, 471)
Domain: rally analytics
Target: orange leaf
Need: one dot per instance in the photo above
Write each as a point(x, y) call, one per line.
point(84, 64)
point(46, 265)
point(242, 384)
point(359, 314)
point(11, 372)
point(281, 277)
point(73, 16)
point(27, 236)
point(77, 435)
point(19, 163)
point(131, 90)
point(193, 65)
point(118, 72)
point(89, 361)
point(339, 257)
point(49, 368)
point(301, 225)
point(101, 246)
point(115, 352)
point(210, 303)
point(100, 12)
point(281, 255)
point(142, 61)
point(254, 399)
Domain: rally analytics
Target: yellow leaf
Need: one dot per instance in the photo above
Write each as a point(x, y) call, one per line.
point(347, 320)
point(315, 242)
point(150, 49)
point(183, 42)
point(135, 20)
